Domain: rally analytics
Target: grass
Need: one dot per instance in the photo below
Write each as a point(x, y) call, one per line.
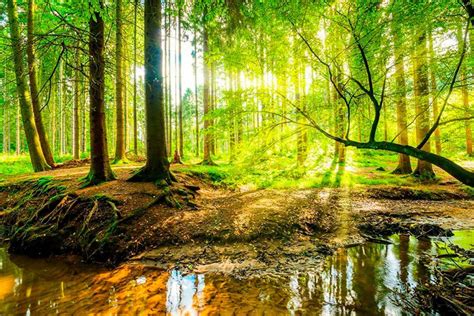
point(282, 172)
point(19, 165)
point(277, 171)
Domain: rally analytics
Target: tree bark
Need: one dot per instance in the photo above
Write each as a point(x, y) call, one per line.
point(38, 160)
point(100, 170)
point(465, 95)
point(196, 93)
point(32, 73)
point(120, 137)
point(157, 165)
point(458, 172)
point(135, 127)
point(404, 164)
point(180, 90)
point(75, 112)
point(433, 92)
point(424, 168)
point(207, 160)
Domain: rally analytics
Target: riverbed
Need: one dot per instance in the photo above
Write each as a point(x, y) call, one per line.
point(366, 279)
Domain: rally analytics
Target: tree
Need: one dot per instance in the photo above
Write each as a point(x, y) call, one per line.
point(207, 160)
point(32, 73)
point(404, 165)
point(100, 170)
point(38, 160)
point(119, 106)
point(75, 112)
point(422, 107)
point(157, 164)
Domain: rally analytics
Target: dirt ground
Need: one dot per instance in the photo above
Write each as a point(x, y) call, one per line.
point(221, 229)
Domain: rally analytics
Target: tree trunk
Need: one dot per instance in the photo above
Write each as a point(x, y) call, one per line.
point(458, 172)
point(100, 170)
point(168, 85)
point(135, 127)
point(157, 165)
point(18, 130)
point(433, 92)
point(120, 137)
point(32, 73)
point(465, 94)
point(6, 117)
point(467, 123)
point(424, 168)
point(62, 104)
point(34, 145)
point(180, 91)
point(83, 116)
point(207, 160)
point(404, 164)
point(196, 93)
point(75, 112)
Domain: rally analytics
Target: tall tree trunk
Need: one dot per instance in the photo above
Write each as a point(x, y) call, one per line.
point(18, 131)
point(465, 93)
point(34, 145)
point(424, 168)
point(6, 116)
point(433, 92)
point(32, 73)
point(157, 165)
point(75, 112)
point(100, 170)
point(135, 127)
point(62, 105)
point(196, 93)
point(467, 123)
point(83, 116)
point(180, 90)
point(178, 93)
point(168, 85)
point(119, 141)
point(207, 160)
point(404, 164)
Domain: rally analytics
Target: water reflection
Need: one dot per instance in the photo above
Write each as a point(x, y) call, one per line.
point(355, 281)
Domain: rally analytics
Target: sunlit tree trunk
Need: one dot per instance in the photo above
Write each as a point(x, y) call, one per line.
point(433, 92)
point(196, 93)
point(178, 151)
point(83, 116)
point(465, 95)
point(422, 109)
point(62, 104)
point(38, 160)
point(157, 165)
point(32, 73)
point(404, 165)
point(75, 113)
point(180, 90)
point(207, 102)
point(120, 135)
point(168, 85)
point(18, 131)
point(100, 170)
point(6, 116)
point(135, 120)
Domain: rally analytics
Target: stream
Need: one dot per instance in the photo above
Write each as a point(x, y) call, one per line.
point(361, 280)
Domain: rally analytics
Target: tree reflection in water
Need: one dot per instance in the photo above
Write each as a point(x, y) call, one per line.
point(360, 280)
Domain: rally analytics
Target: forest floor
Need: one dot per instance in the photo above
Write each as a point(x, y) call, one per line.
point(217, 228)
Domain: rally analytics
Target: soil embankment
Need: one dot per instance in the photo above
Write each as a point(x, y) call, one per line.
point(194, 223)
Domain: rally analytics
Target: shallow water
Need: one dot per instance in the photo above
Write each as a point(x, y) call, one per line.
point(361, 280)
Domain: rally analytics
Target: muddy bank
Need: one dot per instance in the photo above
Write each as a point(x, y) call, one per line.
point(196, 223)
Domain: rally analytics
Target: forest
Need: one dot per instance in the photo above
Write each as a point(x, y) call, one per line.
point(221, 157)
